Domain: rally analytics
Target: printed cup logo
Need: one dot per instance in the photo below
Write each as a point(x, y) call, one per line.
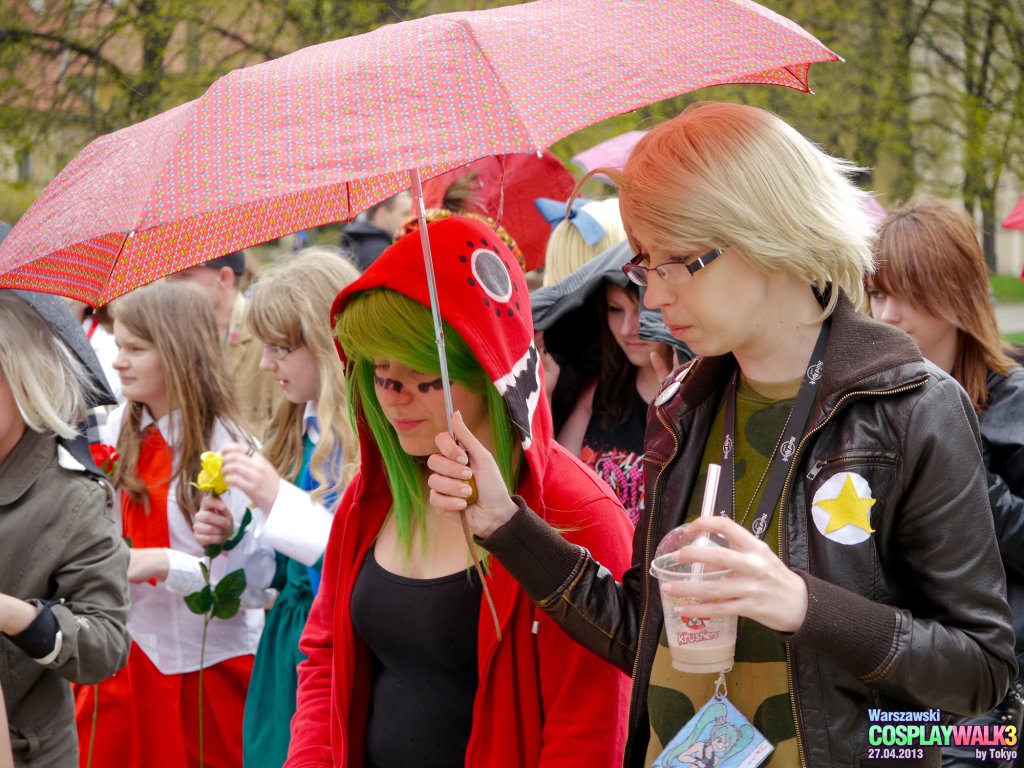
point(814, 372)
point(787, 449)
point(695, 630)
point(727, 447)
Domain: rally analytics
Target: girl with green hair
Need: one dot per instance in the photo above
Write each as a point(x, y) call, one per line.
point(404, 664)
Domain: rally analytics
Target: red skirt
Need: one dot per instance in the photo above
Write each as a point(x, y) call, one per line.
point(146, 718)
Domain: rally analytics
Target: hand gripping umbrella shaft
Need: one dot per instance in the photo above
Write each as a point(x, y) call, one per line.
point(446, 385)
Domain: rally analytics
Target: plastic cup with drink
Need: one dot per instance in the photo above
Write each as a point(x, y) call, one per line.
point(696, 643)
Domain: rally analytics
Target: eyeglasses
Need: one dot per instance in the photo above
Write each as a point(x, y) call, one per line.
point(277, 352)
point(671, 271)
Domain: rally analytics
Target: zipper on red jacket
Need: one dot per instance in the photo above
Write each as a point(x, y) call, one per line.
point(782, 522)
point(645, 602)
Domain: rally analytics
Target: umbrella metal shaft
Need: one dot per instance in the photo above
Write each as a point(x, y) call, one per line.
point(435, 310)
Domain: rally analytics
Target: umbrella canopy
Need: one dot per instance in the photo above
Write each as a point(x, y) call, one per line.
point(611, 153)
point(1016, 218)
point(322, 134)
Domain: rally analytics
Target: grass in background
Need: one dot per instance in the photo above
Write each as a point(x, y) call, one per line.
point(1007, 289)
point(1015, 338)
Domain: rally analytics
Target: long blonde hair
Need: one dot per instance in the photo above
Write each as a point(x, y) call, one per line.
point(928, 254)
point(177, 320)
point(290, 307)
point(729, 174)
point(48, 382)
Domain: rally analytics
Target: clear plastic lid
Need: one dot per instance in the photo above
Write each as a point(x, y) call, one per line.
point(665, 564)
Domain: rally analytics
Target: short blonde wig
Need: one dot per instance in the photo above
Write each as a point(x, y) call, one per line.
point(567, 251)
point(48, 382)
point(723, 174)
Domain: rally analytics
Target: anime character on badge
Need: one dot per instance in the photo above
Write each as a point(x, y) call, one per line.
point(720, 738)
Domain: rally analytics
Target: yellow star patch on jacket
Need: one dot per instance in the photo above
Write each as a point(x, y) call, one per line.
point(848, 508)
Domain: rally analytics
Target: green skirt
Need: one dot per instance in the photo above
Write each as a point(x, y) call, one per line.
point(270, 703)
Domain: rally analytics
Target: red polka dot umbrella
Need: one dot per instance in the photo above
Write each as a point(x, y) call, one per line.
point(322, 134)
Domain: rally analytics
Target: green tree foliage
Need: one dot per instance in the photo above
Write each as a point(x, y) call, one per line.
point(75, 69)
point(972, 114)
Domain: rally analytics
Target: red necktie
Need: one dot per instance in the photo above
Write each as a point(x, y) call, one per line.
point(142, 528)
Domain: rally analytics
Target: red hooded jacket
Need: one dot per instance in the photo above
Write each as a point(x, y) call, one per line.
point(542, 700)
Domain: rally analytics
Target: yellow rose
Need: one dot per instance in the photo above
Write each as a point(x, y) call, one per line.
point(211, 478)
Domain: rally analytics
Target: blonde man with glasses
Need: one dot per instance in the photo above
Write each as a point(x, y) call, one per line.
point(865, 571)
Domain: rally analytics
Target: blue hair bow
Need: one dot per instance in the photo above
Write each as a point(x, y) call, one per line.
point(553, 212)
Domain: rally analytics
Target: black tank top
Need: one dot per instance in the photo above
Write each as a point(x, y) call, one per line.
point(423, 636)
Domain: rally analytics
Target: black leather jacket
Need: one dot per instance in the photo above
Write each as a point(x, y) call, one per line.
point(914, 617)
point(1002, 439)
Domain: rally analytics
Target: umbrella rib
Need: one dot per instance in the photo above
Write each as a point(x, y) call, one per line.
point(513, 107)
point(113, 266)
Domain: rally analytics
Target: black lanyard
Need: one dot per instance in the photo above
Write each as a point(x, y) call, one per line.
point(785, 448)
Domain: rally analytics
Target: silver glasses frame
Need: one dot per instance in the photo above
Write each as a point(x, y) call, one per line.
point(638, 273)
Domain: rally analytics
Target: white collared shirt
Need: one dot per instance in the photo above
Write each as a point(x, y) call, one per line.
point(159, 621)
point(295, 525)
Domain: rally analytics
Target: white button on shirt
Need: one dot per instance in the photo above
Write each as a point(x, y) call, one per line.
point(159, 621)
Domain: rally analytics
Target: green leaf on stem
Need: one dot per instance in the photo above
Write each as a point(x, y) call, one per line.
point(205, 570)
point(200, 602)
point(235, 540)
point(231, 586)
point(225, 609)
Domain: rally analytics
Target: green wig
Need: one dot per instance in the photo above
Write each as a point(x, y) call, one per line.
point(384, 324)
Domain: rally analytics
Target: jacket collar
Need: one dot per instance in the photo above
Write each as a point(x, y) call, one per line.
point(862, 353)
point(24, 465)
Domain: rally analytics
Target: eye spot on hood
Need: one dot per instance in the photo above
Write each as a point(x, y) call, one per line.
point(492, 274)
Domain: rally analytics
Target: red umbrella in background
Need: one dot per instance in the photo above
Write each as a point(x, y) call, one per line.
point(1016, 218)
point(504, 188)
point(322, 134)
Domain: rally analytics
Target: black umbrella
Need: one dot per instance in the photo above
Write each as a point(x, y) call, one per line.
point(58, 315)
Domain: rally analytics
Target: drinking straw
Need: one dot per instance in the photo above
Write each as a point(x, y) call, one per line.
point(707, 509)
